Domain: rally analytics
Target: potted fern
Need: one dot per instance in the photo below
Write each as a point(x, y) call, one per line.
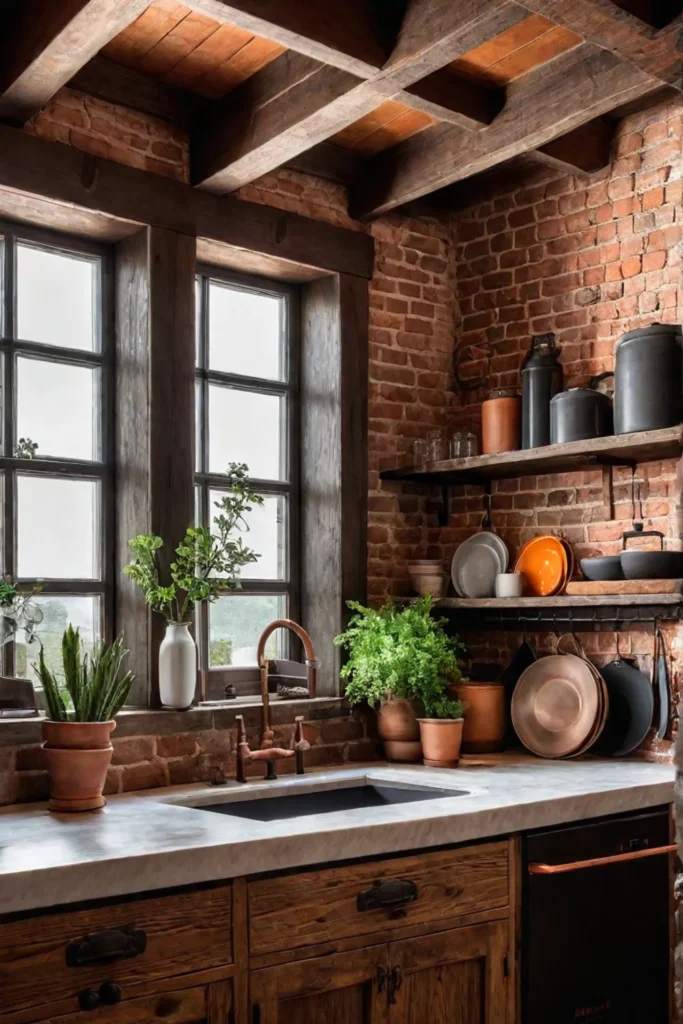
point(207, 562)
point(400, 660)
point(77, 733)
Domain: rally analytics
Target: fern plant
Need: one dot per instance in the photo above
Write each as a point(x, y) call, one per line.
point(94, 689)
point(401, 652)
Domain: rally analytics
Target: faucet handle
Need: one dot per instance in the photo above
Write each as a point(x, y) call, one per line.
point(300, 741)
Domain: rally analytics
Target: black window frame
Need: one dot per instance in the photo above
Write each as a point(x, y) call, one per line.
point(102, 470)
point(213, 680)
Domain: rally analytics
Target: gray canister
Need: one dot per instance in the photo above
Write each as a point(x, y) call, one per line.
point(541, 381)
point(648, 386)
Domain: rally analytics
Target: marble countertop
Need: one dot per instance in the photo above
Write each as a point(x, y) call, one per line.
point(142, 842)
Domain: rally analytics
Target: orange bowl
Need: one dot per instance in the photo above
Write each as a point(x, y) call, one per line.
point(543, 563)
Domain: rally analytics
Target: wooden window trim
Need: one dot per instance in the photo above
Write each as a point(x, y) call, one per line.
point(213, 680)
point(99, 470)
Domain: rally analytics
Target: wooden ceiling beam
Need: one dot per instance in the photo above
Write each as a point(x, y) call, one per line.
point(617, 30)
point(46, 43)
point(557, 98)
point(296, 101)
point(127, 87)
point(587, 149)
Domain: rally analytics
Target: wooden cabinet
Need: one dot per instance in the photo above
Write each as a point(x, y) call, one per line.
point(345, 988)
point(458, 975)
point(199, 1004)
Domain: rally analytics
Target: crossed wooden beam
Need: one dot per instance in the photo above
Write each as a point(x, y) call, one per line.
point(342, 62)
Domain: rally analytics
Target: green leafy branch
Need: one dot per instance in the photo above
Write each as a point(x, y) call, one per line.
point(401, 652)
point(208, 560)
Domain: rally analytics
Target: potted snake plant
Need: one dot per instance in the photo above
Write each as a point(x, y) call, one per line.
point(77, 733)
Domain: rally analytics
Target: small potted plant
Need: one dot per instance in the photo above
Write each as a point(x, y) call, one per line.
point(77, 733)
point(397, 657)
point(208, 561)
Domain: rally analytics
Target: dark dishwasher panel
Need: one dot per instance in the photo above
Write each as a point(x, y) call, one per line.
point(596, 942)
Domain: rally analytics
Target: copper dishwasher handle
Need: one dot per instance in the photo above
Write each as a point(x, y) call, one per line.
point(598, 862)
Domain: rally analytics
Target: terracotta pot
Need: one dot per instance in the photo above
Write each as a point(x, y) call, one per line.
point(485, 722)
point(441, 739)
point(501, 416)
point(77, 756)
point(78, 735)
point(398, 729)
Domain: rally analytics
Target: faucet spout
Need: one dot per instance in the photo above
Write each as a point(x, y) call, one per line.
point(268, 752)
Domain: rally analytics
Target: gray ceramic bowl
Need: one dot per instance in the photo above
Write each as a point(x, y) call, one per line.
point(652, 565)
point(605, 567)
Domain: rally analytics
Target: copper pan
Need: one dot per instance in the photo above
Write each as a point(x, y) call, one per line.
point(555, 705)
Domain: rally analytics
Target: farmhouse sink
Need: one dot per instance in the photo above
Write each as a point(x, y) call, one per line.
point(279, 806)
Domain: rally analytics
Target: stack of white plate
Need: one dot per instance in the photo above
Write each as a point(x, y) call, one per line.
point(477, 562)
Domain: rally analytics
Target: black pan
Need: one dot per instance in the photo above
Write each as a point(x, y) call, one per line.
point(631, 706)
point(521, 659)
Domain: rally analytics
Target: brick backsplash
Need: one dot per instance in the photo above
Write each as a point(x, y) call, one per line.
point(155, 749)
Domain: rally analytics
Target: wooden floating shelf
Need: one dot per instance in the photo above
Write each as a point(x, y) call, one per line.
point(617, 450)
point(561, 601)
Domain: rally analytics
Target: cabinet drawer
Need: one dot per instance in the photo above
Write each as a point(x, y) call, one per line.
point(321, 906)
point(43, 960)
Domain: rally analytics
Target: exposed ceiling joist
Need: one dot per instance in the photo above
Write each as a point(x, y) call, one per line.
point(586, 149)
point(552, 101)
point(263, 125)
point(609, 25)
point(47, 42)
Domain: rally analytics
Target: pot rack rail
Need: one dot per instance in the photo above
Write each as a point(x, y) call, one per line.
point(580, 614)
point(601, 452)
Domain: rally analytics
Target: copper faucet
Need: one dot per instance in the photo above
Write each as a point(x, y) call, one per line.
point(267, 751)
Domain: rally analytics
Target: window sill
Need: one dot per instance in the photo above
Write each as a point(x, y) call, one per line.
point(16, 732)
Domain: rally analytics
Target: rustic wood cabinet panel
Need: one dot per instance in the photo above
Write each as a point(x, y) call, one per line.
point(184, 932)
point(459, 975)
point(345, 988)
point(203, 1004)
point(319, 906)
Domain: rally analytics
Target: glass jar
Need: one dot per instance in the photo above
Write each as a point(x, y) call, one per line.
point(456, 445)
point(470, 445)
point(420, 453)
point(436, 443)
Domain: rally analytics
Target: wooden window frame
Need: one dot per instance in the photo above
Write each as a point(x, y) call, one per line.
point(215, 679)
point(101, 359)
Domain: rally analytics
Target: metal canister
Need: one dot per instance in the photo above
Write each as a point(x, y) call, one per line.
point(648, 392)
point(541, 380)
point(581, 413)
point(501, 421)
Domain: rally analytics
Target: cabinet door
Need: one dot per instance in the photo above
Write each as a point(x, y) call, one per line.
point(344, 988)
point(455, 976)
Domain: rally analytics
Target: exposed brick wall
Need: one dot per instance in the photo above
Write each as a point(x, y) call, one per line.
point(199, 746)
point(113, 132)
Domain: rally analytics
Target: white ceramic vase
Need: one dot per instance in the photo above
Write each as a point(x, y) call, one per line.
point(177, 666)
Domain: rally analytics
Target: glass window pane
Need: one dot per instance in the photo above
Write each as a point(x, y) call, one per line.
point(57, 528)
point(56, 298)
point(56, 405)
point(245, 427)
point(58, 611)
point(236, 623)
point(266, 536)
point(245, 332)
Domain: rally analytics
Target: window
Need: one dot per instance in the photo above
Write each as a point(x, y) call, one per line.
point(247, 411)
point(56, 506)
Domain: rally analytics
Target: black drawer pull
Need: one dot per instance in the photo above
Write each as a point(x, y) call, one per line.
point(110, 944)
point(89, 999)
point(391, 896)
point(110, 993)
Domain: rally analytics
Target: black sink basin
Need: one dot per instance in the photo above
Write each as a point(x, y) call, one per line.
point(275, 808)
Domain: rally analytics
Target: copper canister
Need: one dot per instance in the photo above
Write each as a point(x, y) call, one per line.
point(501, 416)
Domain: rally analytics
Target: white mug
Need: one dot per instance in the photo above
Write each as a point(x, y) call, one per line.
point(509, 584)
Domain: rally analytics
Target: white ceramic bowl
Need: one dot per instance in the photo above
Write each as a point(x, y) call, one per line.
point(430, 583)
point(509, 584)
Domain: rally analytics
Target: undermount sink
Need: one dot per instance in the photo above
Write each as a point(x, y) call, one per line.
point(276, 807)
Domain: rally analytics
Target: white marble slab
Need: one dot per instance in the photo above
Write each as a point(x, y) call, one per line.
point(142, 842)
